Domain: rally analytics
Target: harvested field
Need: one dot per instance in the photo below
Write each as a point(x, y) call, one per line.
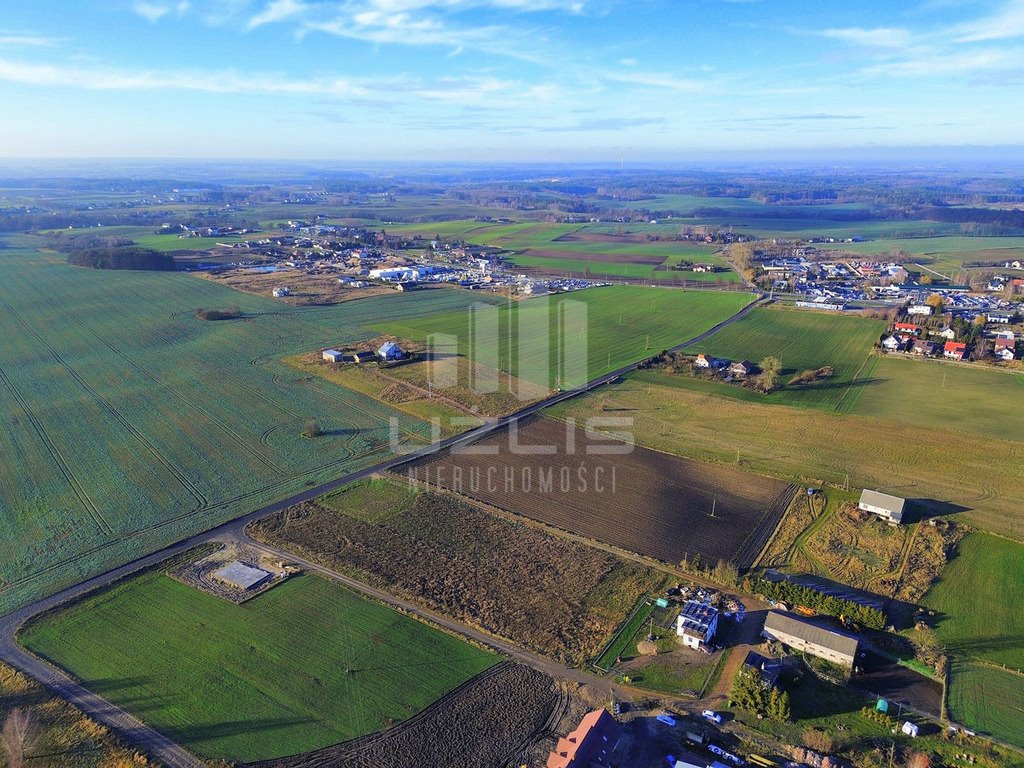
point(306, 289)
point(640, 500)
point(557, 597)
point(492, 720)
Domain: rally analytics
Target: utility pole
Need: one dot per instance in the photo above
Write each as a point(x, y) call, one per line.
point(714, 502)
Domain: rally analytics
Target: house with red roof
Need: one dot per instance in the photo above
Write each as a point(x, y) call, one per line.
point(590, 745)
point(954, 350)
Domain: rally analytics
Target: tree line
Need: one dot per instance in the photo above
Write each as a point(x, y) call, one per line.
point(797, 594)
point(125, 257)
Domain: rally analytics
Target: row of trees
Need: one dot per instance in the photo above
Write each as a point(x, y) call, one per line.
point(797, 594)
point(129, 257)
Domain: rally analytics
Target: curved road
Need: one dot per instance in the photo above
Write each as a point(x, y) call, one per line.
point(150, 741)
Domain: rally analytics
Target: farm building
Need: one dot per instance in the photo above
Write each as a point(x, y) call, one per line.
point(333, 356)
point(697, 624)
point(407, 285)
point(954, 350)
point(892, 343)
point(281, 292)
point(241, 576)
point(743, 368)
point(390, 351)
point(811, 637)
point(770, 669)
point(591, 745)
point(359, 357)
point(889, 508)
point(707, 361)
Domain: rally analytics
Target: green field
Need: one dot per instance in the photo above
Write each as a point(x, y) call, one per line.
point(941, 253)
point(978, 600)
point(620, 324)
point(129, 423)
point(175, 243)
point(801, 340)
point(971, 399)
point(306, 665)
point(988, 700)
point(599, 269)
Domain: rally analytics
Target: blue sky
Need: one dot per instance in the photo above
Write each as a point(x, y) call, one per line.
point(504, 79)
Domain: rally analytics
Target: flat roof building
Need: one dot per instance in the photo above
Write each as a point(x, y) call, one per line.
point(889, 508)
point(811, 637)
point(241, 576)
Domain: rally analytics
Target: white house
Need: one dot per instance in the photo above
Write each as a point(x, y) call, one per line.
point(697, 624)
point(891, 343)
point(281, 292)
point(889, 508)
point(947, 333)
point(1005, 354)
point(919, 309)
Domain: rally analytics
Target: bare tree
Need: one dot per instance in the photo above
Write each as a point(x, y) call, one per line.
point(16, 737)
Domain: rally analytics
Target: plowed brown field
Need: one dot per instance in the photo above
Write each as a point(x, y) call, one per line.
point(642, 501)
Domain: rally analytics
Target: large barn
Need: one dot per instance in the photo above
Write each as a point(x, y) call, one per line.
point(811, 637)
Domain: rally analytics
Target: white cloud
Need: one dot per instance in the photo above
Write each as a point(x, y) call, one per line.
point(967, 63)
point(275, 11)
point(34, 41)
point(878, 37)
point(1007, 23)
point(658, 80)
point(154, 11)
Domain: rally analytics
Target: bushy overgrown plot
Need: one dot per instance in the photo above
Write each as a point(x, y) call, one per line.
point(643, 501)
point(554, 596)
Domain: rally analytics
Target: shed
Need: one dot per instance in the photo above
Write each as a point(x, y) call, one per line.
point(889, 508)
point(333, 356)
point(389, 350)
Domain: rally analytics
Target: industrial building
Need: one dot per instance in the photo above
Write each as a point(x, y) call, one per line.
point(697, 624)
point(811, 637)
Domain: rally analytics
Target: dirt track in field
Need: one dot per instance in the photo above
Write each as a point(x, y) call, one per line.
point(646, 502)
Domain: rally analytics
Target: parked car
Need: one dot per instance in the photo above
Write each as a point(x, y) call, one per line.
point(667, 720)
point(714, 717)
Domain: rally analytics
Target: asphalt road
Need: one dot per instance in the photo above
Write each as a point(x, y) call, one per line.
point(155, 744)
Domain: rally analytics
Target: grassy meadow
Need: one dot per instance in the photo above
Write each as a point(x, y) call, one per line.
point(934, 394)
point(618, 324)
point(801, 340)
point(815, 447)
point(988, 700)
point(305, 665)
point(131, 423)
point(978, 600)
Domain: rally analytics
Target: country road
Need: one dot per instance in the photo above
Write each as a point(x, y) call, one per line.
point(148, 740)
